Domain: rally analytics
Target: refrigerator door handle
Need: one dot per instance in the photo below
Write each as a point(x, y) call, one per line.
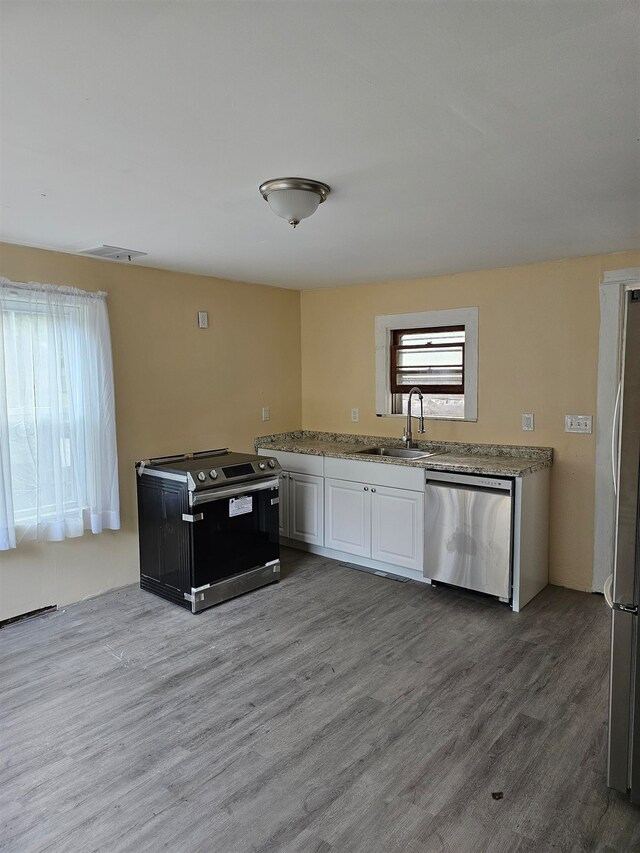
point(614, 441)
point(614, 605)
point(625, 608)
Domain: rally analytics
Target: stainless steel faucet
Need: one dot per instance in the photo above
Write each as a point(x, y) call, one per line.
point(407, 437)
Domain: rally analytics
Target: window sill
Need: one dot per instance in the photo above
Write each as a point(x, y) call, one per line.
point(430, 418)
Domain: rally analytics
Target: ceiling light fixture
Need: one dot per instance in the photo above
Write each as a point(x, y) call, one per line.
point(294, 198)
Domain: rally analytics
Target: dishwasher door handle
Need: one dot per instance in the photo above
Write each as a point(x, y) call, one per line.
point(472, 481)
point(491, 490)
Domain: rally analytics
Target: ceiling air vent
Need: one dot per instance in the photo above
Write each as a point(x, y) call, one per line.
point(113, 253)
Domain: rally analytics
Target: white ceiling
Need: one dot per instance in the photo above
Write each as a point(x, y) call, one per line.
point(454, 135)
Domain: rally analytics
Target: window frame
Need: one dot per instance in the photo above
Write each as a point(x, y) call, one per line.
point(388, 323)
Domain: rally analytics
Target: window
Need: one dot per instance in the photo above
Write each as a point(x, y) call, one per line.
point(435, 351)
point(58, 462)
point(432, 360)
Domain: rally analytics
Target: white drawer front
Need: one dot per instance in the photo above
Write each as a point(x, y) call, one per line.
point(376, 473)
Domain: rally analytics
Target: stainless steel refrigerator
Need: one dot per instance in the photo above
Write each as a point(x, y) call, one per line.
point(622, 589)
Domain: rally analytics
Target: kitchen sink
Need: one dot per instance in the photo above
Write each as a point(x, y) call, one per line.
point(399, 452)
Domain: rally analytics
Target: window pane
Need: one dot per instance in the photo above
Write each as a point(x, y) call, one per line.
point(433, 377)
point(431, 336)
point(426, 357)
point(444, 406)
point(39, 426)
point(435, 405)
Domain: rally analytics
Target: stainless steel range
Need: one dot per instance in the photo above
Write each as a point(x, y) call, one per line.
point(208, 525)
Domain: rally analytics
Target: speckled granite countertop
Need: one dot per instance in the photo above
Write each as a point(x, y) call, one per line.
point(500, 460)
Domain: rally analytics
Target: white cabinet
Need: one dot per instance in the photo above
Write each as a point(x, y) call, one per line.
point(301, 496)
point(377, 522)
point(397, 527)
point(305, 508)
point(347, 517)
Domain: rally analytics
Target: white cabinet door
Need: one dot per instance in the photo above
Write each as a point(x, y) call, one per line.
point(348, 517)
point(283, 494)
point(397, 526)
point(306, 508)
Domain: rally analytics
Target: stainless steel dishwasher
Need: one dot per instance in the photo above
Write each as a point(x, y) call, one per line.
point(468, 531)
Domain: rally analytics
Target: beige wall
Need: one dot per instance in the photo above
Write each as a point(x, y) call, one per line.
point(178, 388)
point(538, 352)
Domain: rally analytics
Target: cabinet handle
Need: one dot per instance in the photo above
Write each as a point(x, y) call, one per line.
point(373, 490)
point(366, 488)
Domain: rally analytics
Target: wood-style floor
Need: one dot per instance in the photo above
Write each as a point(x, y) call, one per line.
point(335, 711)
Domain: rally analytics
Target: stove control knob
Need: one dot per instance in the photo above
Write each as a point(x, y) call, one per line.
point(262, 465)
point(202, 476)
point(213, 474)
point(271, 463)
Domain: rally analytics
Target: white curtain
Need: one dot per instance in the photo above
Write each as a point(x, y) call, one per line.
point(58, 457)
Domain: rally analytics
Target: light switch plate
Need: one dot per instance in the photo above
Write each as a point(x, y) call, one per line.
point(355, 415)
point(203, 319)
point(578, 423)
point(265, 413)
point(527, 422)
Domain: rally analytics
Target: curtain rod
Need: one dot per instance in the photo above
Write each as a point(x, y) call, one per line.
point(37, 287)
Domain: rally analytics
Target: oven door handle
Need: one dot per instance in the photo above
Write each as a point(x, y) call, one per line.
point(231, 491)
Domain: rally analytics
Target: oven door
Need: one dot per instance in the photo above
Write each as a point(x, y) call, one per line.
point(234, 529)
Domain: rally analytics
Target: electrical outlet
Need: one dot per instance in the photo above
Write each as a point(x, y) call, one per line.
point(355, 415)
point(265, 413)
point(578, 423)
point(203, 319)
point(527, 423)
